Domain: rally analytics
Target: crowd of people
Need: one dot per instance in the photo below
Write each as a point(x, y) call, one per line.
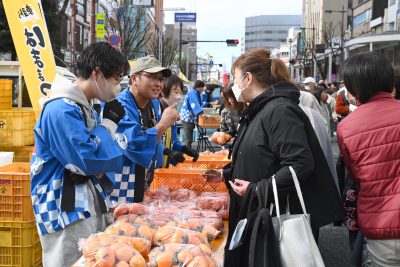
point(87, 162)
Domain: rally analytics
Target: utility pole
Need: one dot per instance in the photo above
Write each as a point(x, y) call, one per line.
point(343, 11)
point(180, 45)
point(73, 32)
point(92, 21)
point(342, 38)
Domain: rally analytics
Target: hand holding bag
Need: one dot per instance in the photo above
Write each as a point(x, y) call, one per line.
point(237, 254)
point(296, 242)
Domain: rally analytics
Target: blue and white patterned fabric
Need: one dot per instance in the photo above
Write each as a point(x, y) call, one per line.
point(63, 141)
point(191, 107)
point(138, 146)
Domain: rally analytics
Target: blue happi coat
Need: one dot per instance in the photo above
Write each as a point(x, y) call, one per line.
point(191, 107)
point(138, 146)
point(63, 141)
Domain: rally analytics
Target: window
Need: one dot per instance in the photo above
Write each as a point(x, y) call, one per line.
point(81, 7)
point(362, 18)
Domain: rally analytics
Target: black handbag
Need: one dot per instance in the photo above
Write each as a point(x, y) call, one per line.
point(238, 256)
point(258, 246)
point(264, 247)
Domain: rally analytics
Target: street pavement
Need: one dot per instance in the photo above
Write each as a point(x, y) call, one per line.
point(333, 240)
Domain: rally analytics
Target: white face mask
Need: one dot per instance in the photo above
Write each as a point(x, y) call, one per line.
point(237, 91)
point(108, 93)
point(116, 90)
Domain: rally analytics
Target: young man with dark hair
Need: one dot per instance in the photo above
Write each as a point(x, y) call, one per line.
point(140, 132)
point(73, 151)
point(190, 111)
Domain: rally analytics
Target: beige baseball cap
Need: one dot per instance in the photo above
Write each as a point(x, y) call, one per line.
point(309, 80)
point(151, 65)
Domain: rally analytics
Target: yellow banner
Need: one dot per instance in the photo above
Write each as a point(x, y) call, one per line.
point(100, 25)
point(32, 43)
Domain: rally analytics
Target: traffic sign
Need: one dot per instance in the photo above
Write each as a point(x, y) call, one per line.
point(185, 17)
point(114, 39)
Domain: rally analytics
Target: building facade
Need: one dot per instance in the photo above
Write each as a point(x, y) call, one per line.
point(375, 28)
point(324, 19)
point(269, 31)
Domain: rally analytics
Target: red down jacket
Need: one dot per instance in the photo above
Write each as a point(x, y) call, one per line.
point(369, 140)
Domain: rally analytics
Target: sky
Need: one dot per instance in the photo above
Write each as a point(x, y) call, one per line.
point(225, 19)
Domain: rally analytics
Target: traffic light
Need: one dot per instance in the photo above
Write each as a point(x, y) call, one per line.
point(232, 42)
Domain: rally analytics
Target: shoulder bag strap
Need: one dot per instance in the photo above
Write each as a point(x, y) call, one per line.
point(298, 190)
point(263, 221)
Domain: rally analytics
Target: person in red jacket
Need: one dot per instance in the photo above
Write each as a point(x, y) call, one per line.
point(369, 140)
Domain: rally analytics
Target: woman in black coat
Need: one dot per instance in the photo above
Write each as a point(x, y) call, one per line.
point(274, 134)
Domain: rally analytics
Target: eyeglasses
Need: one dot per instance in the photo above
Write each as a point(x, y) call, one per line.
point(154, 78)
point(118, 78)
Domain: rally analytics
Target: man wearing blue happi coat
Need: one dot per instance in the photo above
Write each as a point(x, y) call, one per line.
point(140, 132)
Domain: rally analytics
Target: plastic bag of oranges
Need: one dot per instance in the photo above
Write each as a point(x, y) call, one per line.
point(131, 230)
point(108, 251)
point(216, 201)
point(196, 225)
point(170, 255)
point(171, 234)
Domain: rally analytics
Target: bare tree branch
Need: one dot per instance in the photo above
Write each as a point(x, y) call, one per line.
point(130, 22)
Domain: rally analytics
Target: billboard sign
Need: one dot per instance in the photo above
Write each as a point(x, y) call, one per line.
point(185, 17)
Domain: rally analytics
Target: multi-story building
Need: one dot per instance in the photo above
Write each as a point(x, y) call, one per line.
point(324, 19)
point(393, 17)
point(375, 27)
point(268, 31)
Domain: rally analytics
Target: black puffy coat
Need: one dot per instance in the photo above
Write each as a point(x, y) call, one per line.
point(274, 134)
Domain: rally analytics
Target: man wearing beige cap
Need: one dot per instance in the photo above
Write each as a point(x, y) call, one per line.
point(140, 132)
point(309, 84)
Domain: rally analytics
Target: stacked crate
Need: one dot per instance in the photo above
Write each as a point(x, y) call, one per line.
point(16, 125)
point(5, 94)
point(19, 240)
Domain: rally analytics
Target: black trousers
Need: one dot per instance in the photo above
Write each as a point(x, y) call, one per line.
point(188, 127)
